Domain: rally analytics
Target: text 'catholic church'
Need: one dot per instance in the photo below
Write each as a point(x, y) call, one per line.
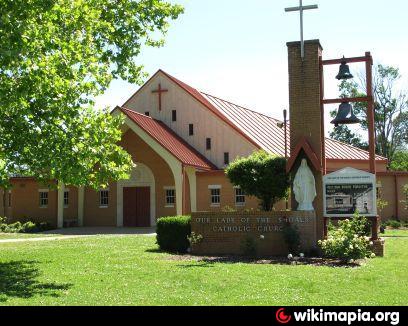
point(181, 140)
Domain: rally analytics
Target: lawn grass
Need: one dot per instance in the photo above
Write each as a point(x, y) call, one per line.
point(7, 236)
point(129, 270)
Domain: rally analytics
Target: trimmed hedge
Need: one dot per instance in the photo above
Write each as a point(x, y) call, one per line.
point(172, 233)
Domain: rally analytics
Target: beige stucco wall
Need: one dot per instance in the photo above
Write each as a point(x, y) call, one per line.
point(387, 192)
point(334, 165)
point(189, 110)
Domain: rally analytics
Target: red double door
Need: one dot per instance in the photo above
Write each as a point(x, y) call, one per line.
point(136, 207)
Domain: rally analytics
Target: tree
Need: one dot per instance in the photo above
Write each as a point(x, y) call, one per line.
point(400, 161)
point(261, 175)
point(56, 56)
point(391, 112)
point(344, 134)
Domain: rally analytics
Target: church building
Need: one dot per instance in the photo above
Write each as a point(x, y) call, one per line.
point(181, 140)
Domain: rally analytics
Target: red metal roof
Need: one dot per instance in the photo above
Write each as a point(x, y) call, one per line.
point(260, 129)
point(169, 140)
point(267, 135)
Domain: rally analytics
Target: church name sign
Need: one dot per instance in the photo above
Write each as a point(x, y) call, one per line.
point(225, 232)
point(349, 190)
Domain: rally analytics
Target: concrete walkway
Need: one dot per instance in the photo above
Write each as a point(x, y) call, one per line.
point(72, 233)
point(87, 231)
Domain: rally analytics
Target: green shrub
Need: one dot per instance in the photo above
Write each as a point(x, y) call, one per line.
point(348, 241)
point(292, 238)
point(19, 227)
point(394, 224)
point(173, 233)
point(249, 246)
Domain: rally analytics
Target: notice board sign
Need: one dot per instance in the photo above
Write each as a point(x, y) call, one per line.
point(347, 191)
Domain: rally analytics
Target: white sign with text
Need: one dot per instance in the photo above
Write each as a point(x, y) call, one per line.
point(347, 191)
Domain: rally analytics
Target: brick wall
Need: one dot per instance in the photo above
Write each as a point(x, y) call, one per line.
point(227, 233)
point(305, 110)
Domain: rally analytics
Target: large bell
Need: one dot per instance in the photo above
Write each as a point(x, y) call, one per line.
point(345, 115)
point(344, 72)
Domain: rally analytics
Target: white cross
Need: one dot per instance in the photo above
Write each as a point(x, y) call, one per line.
point(301, 8)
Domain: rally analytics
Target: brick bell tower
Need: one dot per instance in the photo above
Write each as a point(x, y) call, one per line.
point(307, 119)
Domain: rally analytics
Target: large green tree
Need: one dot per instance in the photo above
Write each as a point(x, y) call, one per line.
point(391, 112)
point(400, 161)
point(261, 175)
point(56, 56)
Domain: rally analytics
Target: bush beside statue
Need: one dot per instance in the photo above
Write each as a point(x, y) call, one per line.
point(262, 175)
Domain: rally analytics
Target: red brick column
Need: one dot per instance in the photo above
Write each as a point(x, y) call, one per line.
point(305, 112)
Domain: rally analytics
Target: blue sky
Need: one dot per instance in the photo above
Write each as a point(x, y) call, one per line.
point(236, 49)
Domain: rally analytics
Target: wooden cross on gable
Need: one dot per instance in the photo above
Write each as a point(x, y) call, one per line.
point(159, 91)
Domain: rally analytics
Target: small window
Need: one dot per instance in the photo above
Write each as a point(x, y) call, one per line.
point(239, 197)
point(147, 113)
point(43, 199)
point(191, 129)
point(104, 198)
point(215, 197)
point(170, 197)
point(9, 199)
point(66, 198)
point(174, 115)
point(208, 144)
point(226, 158)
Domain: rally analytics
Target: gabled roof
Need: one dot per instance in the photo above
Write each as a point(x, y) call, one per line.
point(259, 129)
point(169, 140)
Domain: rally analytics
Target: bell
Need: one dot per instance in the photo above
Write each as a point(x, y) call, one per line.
point(345, 115)
point(344, 72)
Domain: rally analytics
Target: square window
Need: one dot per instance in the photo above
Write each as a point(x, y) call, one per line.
point(226, 158)
point(208, 144)
point(104, 198)
point(215, 197)
point(147, 113)
point(170, 197)
point(191, 129)
point(174, 115)
point(239, 197)
point(66, 198)
point(43, 199)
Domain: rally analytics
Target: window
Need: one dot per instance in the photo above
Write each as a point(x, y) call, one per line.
point(104, 198)
point(43, 199)
point(174, 115)
point(170, 197)
point(208, 144)
point(9, 199)
point(239, 197)
point(147, 113)
point(66, 198)
point(226, 158)
point(191, 129)
point(215, 195)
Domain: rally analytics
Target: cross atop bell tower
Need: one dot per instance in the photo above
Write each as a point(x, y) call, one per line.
point(301, 8)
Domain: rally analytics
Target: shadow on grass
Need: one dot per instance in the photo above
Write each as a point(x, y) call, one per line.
point(19, 279)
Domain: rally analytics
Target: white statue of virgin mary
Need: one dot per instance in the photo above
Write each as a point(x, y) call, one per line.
point(304, 187)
